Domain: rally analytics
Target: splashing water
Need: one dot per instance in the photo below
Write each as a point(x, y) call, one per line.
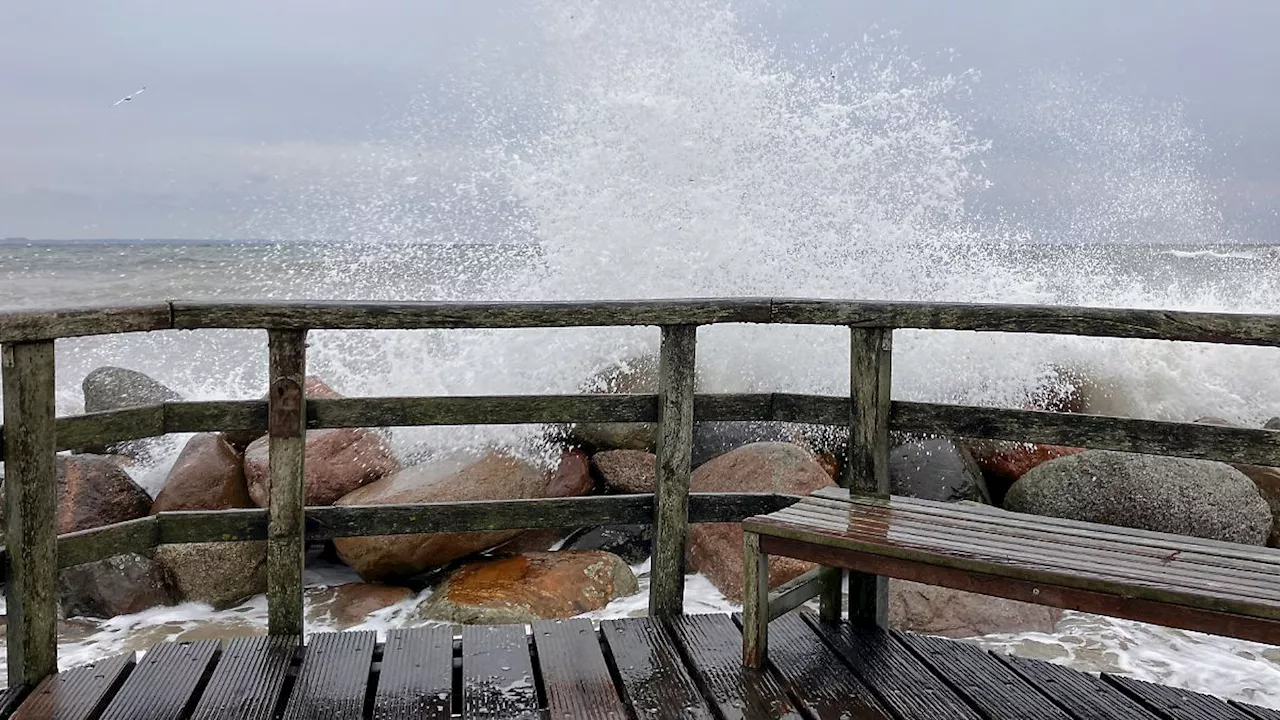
point(660, 149)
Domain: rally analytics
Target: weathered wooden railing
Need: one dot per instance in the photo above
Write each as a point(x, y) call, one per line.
point(31, 434)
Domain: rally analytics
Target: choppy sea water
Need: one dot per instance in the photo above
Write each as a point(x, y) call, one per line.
point(667, 149)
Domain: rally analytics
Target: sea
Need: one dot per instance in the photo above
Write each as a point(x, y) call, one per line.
point(669, 150)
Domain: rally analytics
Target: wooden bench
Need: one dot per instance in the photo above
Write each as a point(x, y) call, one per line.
point(1171, 580)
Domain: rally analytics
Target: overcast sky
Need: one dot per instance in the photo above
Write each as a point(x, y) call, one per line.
point(247, 100)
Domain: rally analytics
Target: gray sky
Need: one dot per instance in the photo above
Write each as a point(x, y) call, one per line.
point(249, 102)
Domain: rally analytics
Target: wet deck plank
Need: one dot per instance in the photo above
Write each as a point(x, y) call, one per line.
point(984, 681)
point(898, 678)
point(1085, 696)
point(574, 673)
point(334, 677)
point(9, 698)
point(1175, 703)
point(655, 682)
point(248, 680)
point(416, 680)
point(823, 685)
point(1254, 711)
point(497, 673)
point(163, 685)
point(77, 694)
point(713, 645)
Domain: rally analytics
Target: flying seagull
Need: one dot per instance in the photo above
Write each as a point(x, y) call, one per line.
point(127, 98)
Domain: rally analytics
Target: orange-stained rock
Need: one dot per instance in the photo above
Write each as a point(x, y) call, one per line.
point(1002, 463)
point(337, 462)
point(529, 587)
point(830, 463)
point(350, 604)
point(494, 477)
point(625, 471)
point(572, 477)
point(715, 549)
point(208, 475)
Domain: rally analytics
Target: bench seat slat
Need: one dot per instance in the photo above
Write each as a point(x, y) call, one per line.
point(1046, 551)
point(1020, 525)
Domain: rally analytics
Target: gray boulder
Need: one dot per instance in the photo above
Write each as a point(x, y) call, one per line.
point(221, 574)
point(1272, 424)
point(113, 388)
point(118, 585)
point(1150, 492)
point(936, 469)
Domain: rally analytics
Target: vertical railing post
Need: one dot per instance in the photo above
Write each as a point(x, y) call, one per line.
point(674, 454)
point(31, 499)
point(867, 462)
point(286, 422)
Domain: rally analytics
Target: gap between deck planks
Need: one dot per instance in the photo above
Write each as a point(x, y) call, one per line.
point(685, 667)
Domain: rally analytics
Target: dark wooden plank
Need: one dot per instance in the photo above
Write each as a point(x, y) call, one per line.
point(497, 673)
point(416, 681)
point(573, 670)
point(340, 315)
point(984, 681)
point(676, 365)
point(820, 682)
point(31, 494)
point(1108, 598)
point(76, 694)
point(101, 428)
point(1089, 321)
point(1175, 703)
point(1255, 711)
point(130, 536)
point(654, 680)
point(248, 679)
point(333, 678)
point(286, 421)
point(713, 645)
point(897, 677)
point(164, 683)
point(1087, 697)
point(28, 325)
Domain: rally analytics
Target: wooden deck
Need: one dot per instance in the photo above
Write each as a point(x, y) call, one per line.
point(637, 668)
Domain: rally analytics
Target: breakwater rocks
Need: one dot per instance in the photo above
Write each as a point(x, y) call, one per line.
point(484, 576)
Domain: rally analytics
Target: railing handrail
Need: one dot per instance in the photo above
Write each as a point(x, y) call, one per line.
point(32, 434)
point(1134, 323)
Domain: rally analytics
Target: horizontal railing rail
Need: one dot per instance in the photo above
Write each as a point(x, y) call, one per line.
point(31, 434)
point(1175, 325)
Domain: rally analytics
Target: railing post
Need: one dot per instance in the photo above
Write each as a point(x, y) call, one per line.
point(31, 499)
point(674, 454)
point(286, 422)
point(867, 462)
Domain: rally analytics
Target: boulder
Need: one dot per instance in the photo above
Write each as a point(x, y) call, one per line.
point(636, 375)
point(625, 472)
point(711, 439)
point(221, 574)
point(312, 387)
point(1150, 492)
point(1272, 424)
point(336, 462)
point(1267, 481)
point(936, 469)
point(208, 475)
point(1002, 463)
point(113, 388)
point(118, 585)
point(715, 549)
point(958, 614)
point(350, 604)
point(495, 477)
point(94, 491)
point(529, 587)
point(572, 477)
point(632, 543)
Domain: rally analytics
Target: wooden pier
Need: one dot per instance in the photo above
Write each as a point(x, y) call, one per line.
point(686, 667)
point(666, 665)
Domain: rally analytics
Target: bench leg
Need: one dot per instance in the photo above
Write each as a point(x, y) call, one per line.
point(830, 603)
point(869, 599)
point(755, 603)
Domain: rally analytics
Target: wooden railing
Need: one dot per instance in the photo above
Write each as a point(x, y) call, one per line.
point(31, 434)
